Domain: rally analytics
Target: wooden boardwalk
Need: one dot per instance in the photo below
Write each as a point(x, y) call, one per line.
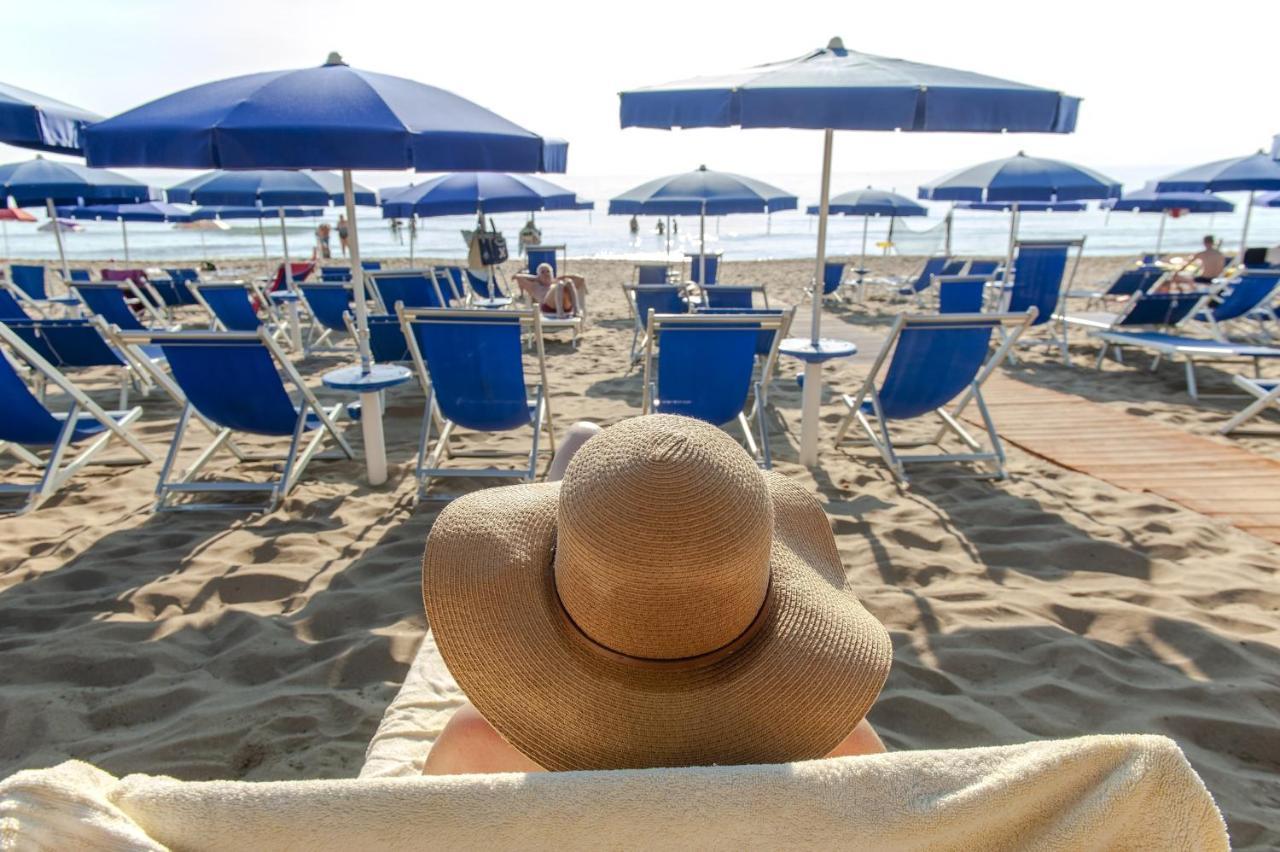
point(1208, 476)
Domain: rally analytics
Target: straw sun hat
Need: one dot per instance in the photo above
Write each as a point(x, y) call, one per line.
point(667, 604)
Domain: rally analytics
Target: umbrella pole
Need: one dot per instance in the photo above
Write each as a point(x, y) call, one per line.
point(4, 226)
point(262, 236)
point(124, 236)
point(862, 264)
point(1244, 235)
point(950, 219)
point(1013, 239)
point(357, 286)
point(291, 307)
point(813, 369)
point(1164, 214)
point(204, 248)
point(702, 246)
point(57, 235)
point(284, 244)
point(888, 241)
point(413, 233)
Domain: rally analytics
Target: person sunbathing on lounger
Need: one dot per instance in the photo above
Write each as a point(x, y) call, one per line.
point(544, 288)
point(1211, 264)
point(667, 604)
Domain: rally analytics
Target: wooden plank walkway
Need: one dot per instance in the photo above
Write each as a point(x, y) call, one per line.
point(1211, 477)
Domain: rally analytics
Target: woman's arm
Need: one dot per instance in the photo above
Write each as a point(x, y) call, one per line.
point(863, 740)
point(469, 744)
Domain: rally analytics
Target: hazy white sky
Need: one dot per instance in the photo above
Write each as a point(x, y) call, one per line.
point(1154, 98)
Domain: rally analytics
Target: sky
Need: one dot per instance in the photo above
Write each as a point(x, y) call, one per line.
point(1154, 100)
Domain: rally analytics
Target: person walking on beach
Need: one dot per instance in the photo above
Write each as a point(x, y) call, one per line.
point(343, 233)
point(584, 641)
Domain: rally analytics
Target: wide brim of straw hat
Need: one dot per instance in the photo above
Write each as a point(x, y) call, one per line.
point(794, 691)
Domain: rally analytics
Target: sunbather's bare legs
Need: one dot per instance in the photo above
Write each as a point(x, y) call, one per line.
point(469, 745)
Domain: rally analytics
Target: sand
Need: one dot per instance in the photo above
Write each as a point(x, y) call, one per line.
point(217, 645)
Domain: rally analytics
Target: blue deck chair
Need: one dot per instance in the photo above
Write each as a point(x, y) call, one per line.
point(80, 344)
point(12, 309)
point(832, 278)
point(1130, 282)
point(110, 300)
point(327, 303)
point(29, 280)
point(451, 289)
point(414, 288)
point(240, 382)
point(231, 308)
point(961, 294)
point(29, 426)
point(535, 255)
point(1145, 313)
point(80, 276)
point(932, 360)
point(645, 299)
point(651, 273)
point(486, 293)
point(1042, 274)
point(471, 368)
point(387, 343)
point(1247, 295)
point(371, 265)
point(982, 266)
point(735, 296)
point(1191, 350)
point(712, 266)
point(703, 366)
point(335, 274)
point(175, 291)
point(933, 267)
point(767, 340)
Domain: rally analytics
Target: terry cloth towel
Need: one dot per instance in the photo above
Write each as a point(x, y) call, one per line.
point(1101, 792)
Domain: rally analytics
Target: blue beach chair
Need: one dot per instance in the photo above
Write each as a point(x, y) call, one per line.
point(235, 306)
point(1042, 274)
point(982, 266)
point(535, 255)
point(29, 281)
point(1248, 294)
point(240, 382)
point(651, 273)
point(414, 288)
point(961, 294)
point(471, 367)
point(387, 342)
point(449, 280)
point(645, 299)
point(932, 268)
point(80, 343)
point(175, 291)
point(327, 303)
point(1144, 311)
point(1130, 282)
point(13, 309)
point(696, 266)
point(703, 366)
point(767, 340)
point(111, 301)
point(735, 296)
point(832, 278)
point(29, 426)
point(931, 361)
point(335, 274)
point(486, 292)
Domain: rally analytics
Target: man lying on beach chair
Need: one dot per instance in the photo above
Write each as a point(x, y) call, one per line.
point(561, 298)
point(237, 380)
point(471, 368)
point(29, 423)
point(703, 366)
point(934, 360)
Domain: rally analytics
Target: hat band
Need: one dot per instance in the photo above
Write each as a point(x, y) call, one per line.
point(661, 663)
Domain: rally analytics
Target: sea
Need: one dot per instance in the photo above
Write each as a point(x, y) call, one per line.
point(594, 234)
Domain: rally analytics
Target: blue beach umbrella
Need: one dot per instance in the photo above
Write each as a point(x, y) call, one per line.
point(1239, 174)
point(42, 182)
point(1148, 200)
point(1024, 206)
point(867, 203)
point(29, 120)
point(701, 192)
point(1020, 179)
point(330, 117)
point(835, 88)
point(145, 211)
point(272, 189)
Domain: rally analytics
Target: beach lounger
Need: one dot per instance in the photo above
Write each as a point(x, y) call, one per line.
point(174, 291)
point(696, 266)
point(961, 294)
point(1249, 294)
point(645, 299)
point(234, 306)
point(1144, 311)
point(335, 274)
point(983, 266)
point(1042, 274)
point(1266, 395)
point(240, 382)
point(535, 255)
point(703, 365)
point(414, 288)
point(16, 307)
point(29, 280)
point(1130, 282)
point(327, 303)
point(115, 302)
point(1191, 350)
point(28, 424)
point(735, 296)
point(767, 340)
point(932, 360)
point(651, 273)
point(933, 267)
point(471, 367)
point(561, 320)
point(82, 343)
point(832, 278)
point(486, 293)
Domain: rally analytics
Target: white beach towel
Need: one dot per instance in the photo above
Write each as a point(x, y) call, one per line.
point(1102, 792)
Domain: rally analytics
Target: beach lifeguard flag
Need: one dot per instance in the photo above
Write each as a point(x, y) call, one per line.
point(835, 88)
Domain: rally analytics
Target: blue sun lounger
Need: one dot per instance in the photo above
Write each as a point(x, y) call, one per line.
point(486, 293)
point(932, 360)
point(961, 294)
point(703, 366)
point(832, 278)
point(1130, 282)
point(535, 255)
point(240, 382)
point(645, 299)
point(651, 273)
point(29, 280)
point(81, 343)
point(231, 306)
point(413, 288)
point(29, 426)
point(1244, 296)
point(327, 303)
point(982, 266)
point(471, 367)
point(1042, 274)
point(1266, 395)
point(933, 267)
point(1190, 349)
point(1145, 311)
point(175, 291)
point(735, 296)
point(696, 266)
point(387, 342)
point(767, 341)
point(13, 309)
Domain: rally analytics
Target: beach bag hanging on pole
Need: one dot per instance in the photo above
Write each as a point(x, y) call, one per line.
point(490, 245)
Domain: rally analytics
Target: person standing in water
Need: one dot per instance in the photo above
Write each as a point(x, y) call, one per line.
point(343, 232)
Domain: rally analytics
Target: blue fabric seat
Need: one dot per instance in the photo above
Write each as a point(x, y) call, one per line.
point(832, 277)
point(983, 267)
point(703, 366)
point(486, 293)
point(109, 302)
point(932, 266)
point(474, 379)
point(237, 383)
point(1191, 350)
point(1251, 290)
point(334, 274)
point(235, 306)
point(387, 342)
point(740, 296)
point(536, 255)
point(927, 363)
point(29, 424)
point(961, 294)
point(29, 278)
point(1042, 275)
point(175, 291)
point(651, 273)
point(652, 298)
point(1130, 282)
point(328, 304)
point(10, 308)
point(412, 288)
point(712, 266)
